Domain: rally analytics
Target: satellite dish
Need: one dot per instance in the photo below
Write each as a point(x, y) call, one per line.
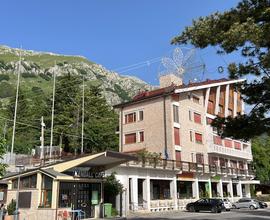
point(184, 63)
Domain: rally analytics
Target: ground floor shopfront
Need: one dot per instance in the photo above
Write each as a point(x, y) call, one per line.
point(148, 189)
point(63, 190)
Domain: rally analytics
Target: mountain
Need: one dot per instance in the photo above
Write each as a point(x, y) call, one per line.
point(38, 67)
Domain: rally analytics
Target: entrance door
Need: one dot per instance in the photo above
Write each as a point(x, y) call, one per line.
point(83, 199)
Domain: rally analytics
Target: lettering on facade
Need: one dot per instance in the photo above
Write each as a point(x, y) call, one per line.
point(86, 172)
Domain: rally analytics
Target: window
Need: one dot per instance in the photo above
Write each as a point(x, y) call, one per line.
point(130, 118)
point(199, 158)
point(141, 135)
point(191, 136)
point(230, 112)
point(222, 162)
point(209, 121)
point(176, 113)
point(198, 138)
point(228, 143)
point(25, 182)
point(197, 118)
point(196, 99)
point(233, 164)
point(176, 136)
point(213, 161)
point(220, 109)
point(140, 115)
point(178, 158)
point(46, 192)
point(130, 138)
point(237, 145)
point(217, 140)
point(210, 107)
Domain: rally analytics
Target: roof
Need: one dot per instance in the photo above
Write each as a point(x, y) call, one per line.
point(107, 159)
point(146, 95)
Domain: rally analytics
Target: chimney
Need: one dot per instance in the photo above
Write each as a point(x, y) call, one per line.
point(169, 79)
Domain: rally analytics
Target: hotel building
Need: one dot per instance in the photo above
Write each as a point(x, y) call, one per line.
point(174, 122)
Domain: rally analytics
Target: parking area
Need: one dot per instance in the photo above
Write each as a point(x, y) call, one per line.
point(241, 214)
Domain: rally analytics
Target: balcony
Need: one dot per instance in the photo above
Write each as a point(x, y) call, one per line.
point(217, 149)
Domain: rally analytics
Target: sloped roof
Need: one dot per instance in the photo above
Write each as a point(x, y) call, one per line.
point(145, 95)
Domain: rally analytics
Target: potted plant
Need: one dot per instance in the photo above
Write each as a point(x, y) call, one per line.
point(11, 208)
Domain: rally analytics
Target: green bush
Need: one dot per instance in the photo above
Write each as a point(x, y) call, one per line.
point(4, 77)
point(114, 212)
point(11, 208)
point(28, 75)
point(6, 90)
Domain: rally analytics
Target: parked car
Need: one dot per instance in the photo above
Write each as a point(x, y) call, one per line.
point(246, 203)
point(213, 205)
point(227, 204)
point(261, 204)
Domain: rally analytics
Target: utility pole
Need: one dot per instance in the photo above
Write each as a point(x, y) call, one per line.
point(82, 117)
point(42, 156)
point(51, 142)
point(16, 105)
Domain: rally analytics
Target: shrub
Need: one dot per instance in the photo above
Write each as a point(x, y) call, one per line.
point(28, 75)
point(11, 208)
point(4, 77)
point(6, 90)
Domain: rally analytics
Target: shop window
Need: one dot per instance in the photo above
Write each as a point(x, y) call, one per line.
point(213, 161)
point(130, 138)
point(233, 164)
point(228, 143)
point(184, 190)
point(140, 115)
point(217, 140)
point(130, 118)
point(175, 113)
point(198, 138)
point(141, 135)
point(46, 192)
point(222, 162)
point(199, 158)
point(160, 189)
point(25, 199)
point(176, 136)
point(197, 118)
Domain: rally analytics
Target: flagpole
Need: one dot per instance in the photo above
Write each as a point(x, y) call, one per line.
point(51, 142)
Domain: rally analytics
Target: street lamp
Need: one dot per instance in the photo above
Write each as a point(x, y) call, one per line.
point(20, 168)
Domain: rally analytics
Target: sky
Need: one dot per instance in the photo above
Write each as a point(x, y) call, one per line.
point(117, 34)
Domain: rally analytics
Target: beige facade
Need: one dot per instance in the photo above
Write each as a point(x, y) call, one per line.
point(203, 100)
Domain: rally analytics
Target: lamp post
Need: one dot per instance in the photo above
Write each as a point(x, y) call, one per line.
point(21, 168)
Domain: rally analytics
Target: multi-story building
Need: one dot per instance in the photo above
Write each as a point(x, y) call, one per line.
point(175, 121)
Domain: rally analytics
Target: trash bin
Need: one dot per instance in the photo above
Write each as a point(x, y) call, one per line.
point(107, 210)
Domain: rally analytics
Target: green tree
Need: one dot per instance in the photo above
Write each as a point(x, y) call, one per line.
point(100, 122)
point(3, 147)
point(261, 157)
point(245, 29)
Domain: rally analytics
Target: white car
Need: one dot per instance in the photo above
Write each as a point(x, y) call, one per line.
point(227, 204)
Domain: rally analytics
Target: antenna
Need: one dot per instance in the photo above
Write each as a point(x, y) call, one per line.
point(16, 105)
point(82, 118)
point(51, 142)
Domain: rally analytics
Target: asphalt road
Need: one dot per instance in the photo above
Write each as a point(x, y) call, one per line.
point(241, 214)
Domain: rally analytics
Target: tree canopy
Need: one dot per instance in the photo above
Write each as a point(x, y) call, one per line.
point(244, 29)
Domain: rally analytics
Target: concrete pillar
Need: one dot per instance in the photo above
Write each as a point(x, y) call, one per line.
point(220, 188)
point(173, 189)
point(234, 104)
point(146, 193)
point(230, 189)
point(206, 100)
point(247, 188)
point(217, 100)
point(195, 189)
point(226, 100)
point(54, 194)
point(239, 189)
point(134, 193)
point(210, 188)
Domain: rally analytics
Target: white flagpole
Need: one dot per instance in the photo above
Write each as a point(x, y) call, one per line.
point(51, 142)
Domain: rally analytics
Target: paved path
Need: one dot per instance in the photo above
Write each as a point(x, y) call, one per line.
point(242, 214)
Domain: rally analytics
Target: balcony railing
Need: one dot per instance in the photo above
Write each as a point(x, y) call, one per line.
point(245, 154)
point(183, 166)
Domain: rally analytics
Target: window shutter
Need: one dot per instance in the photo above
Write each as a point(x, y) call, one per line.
point(217, 140)
point(198, 138)
point(130, 138)
point(237, 145)
point(228, 143)
point(176, 136)
point(197, 118)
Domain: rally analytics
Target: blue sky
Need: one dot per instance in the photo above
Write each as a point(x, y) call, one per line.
point(114, 33)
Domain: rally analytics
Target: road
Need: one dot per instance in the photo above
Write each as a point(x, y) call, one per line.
point(242, 214)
